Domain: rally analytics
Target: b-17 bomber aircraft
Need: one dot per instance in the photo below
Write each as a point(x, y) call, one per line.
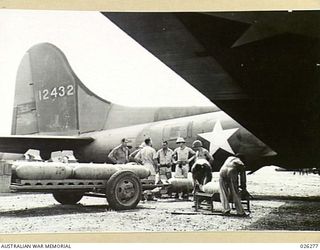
point(260, 67)
point(54, 110)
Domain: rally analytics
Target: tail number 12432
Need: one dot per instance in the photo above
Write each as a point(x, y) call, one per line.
point(56, 92)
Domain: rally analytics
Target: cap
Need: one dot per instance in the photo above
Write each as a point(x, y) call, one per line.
point(196, 144)
point(180, 140)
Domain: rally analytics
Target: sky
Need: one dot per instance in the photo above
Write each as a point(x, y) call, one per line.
point(106, 60)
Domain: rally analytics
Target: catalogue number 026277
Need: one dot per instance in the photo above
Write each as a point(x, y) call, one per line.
point(309, 245)
point(56, 92)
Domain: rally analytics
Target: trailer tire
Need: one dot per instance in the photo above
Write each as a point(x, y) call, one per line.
point(67, 197)
point(123, 190)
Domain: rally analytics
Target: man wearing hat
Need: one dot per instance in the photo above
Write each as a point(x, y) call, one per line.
point(120, 154)
point(182, 161)
point(201, 169)
point(229, 184)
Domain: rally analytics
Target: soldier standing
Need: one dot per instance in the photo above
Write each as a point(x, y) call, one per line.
point(164, 156)
point(135, 152)
point(182, 155)
point(182, 161)
point(146, 156)
point(120, 154)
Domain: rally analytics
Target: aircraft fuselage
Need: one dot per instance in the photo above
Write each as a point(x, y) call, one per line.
point(218, 132)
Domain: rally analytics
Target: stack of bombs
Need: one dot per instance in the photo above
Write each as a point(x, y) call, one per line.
point(26, 170)
point(59, 171)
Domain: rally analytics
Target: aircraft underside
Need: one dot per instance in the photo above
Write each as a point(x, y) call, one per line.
point(262, 68)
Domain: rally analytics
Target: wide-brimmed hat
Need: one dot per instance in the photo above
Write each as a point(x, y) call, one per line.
point(180, 140)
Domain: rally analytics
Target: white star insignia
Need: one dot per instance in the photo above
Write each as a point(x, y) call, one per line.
point(218, 138)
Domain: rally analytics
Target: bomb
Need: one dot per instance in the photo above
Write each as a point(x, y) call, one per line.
point(141, 171)
point(42, 170)
point(93, 171)
point(58, 171)
point(181, 185)
point(211, 188)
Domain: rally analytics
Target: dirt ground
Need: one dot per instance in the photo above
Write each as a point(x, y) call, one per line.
point(283, 201)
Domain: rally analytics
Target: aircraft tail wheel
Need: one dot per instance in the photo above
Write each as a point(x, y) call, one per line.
point(67, 197)
point(123, 190)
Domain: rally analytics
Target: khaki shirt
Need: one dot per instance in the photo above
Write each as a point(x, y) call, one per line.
point(164, 156)
point(183, 154)
point(119, 155)
point(146, 155)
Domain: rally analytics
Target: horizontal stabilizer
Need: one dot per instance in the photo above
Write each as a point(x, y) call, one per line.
point(21, 143)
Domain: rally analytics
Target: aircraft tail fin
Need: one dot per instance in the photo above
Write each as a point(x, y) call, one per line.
point(50, 99)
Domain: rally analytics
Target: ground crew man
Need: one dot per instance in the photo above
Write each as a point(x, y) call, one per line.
point(164, 157)
point(181, 154)
point(135, 152)
point(201, 169)
point(120, 154)
point(182, 158)
point(229, 184)
point(147, 157)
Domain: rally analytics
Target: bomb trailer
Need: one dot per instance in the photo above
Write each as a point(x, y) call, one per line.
point(121, 185)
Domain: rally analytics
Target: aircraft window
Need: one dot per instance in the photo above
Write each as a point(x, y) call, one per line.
point(173, 132)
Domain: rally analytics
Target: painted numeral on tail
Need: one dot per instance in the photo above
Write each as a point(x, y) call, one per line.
point(70, 90)
point(44, 94)
point(60, 91)
point(54, 93)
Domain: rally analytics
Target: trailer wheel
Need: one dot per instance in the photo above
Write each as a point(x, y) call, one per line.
point(67, 197)
point(123, 190)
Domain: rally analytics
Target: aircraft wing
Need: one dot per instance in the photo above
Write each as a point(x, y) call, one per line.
point(21, 143)
point(261, 68)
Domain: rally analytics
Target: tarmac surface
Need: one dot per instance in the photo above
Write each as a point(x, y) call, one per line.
point(283, 201)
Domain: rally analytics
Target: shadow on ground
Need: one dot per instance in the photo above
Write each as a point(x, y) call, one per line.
point(55, 210)
point(292, 216)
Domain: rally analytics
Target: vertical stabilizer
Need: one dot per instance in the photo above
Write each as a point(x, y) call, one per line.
point(50, 99)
